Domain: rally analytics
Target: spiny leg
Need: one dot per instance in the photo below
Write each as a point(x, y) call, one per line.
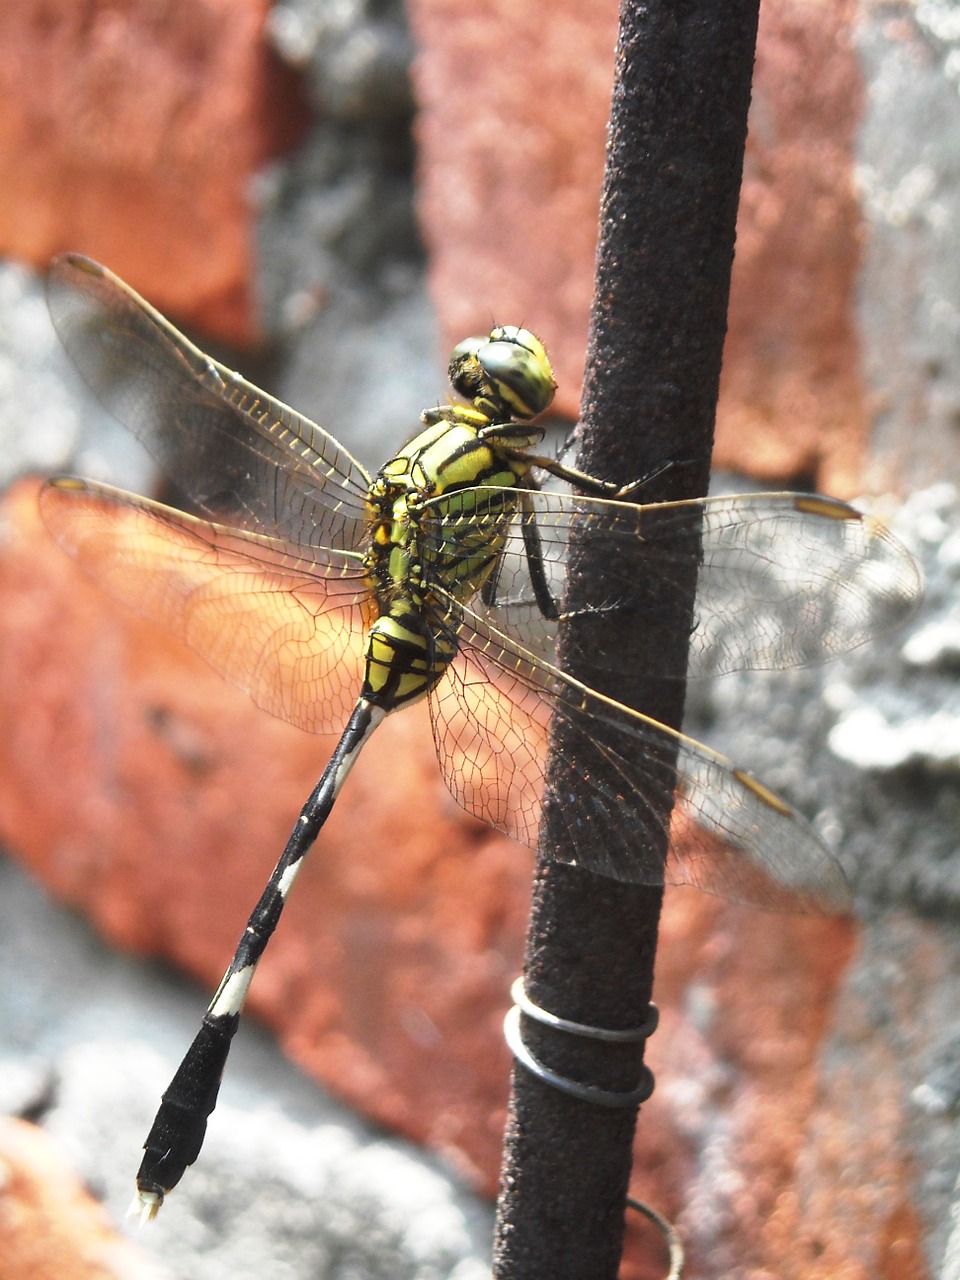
point(580, 480)
point(177, 1133)
point(595, 488)
point(533, 550)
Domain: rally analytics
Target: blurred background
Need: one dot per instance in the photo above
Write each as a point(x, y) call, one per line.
point(327, 194)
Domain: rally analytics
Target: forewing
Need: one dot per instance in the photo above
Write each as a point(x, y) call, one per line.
point(492, 716)
point(242, 457)
point(785, 580)
point(287, 630)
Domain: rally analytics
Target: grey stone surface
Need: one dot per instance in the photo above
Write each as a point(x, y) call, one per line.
point(48, 420)
point(342, 278)
point(908, 176)
point(355, 56)
point(289, 1185)
point(864, 745)
point(866, 748)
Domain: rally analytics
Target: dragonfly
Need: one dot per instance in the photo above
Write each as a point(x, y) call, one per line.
point(335, 598)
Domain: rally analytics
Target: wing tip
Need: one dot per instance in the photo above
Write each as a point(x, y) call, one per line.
point(77, 262)
point(67, 484)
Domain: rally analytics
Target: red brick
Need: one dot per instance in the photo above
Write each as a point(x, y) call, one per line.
point(50, 1227)
point(131, 132)
point(512, 128)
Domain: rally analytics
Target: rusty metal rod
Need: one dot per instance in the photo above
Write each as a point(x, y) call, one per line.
point(674, 163)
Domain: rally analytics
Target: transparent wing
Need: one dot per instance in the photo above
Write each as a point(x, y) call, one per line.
point(241, 457)
point(287, 630)
point(492, 714)
point(785, 580)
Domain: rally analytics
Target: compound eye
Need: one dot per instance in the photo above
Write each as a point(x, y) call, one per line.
point(517, 369)
point(465, 371)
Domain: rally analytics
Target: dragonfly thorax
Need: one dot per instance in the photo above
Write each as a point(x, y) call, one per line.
point(439, 508)
point(451, 454)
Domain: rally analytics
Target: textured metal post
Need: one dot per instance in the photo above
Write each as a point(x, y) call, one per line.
point(674, 163)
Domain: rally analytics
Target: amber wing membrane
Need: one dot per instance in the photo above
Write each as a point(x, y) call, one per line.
point(785, 580)
point(240, 456)
point(492, 716)
point(285, 627)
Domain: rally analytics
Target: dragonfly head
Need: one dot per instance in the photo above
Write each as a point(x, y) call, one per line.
point(507, 374)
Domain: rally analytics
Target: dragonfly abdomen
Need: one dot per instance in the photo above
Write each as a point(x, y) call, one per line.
point(405, 657)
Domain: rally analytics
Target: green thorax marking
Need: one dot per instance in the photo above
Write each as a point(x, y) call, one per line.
point(417, 540)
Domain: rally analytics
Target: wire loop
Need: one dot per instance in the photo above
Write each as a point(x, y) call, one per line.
point(612, 1098)
point(669, 1233)
point(630, 1035)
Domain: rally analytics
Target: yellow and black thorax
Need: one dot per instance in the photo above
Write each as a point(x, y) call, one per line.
point(441, 506)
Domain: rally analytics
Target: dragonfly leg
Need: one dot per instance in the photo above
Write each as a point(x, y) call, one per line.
point(579, 479)
point(177, 1133)
point(533, 550)
point(534, 553)
point(595, 488)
